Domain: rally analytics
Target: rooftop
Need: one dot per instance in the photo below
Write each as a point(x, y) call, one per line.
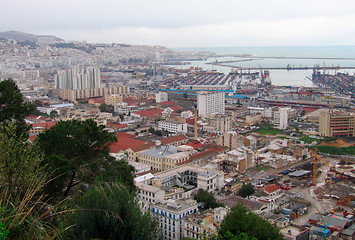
point(161, 151)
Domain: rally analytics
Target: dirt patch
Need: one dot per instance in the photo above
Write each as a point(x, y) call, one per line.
point(333, 190)
point(336, 143)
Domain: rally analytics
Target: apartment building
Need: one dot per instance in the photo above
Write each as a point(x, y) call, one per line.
point(170, 214)
point(336, 124)
point(172, 126)
point(210, 103)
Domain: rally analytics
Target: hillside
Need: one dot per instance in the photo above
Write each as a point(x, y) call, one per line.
point(20, 36)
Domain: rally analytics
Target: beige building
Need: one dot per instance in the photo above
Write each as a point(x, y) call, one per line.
point(73, 94)
point(163, 157)
point(336, 124)
point(204, 223)
point(113, 99)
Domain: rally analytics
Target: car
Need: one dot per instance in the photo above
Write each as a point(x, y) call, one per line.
point(285, 172)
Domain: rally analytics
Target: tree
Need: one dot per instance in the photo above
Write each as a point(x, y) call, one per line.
point(23, 212)
point(13, 108)
point(53, 114)
point(110, 211)
point(76, 152)
point(246, 190)
point(158, 133)
point(207, 199)
point(240, 220)
point(19, 161)
point(106, 108)
point(151, 130)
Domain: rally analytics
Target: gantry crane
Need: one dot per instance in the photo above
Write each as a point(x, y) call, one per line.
point(315, 164)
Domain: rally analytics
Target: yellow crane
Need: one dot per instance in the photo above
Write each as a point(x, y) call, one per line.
point(315, 164)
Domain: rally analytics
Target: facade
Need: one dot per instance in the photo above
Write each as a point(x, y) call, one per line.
point(213, 181)
point(222, 124)
point(336, 124)
point(203, 223)
point(210, 103)
point(171, 214)
point(281, 118)
point(161, 97)
point(78, 78)
point(150, 194)
point(113, 99)
point(156, 157)
point(173, 127)
point(73, 94)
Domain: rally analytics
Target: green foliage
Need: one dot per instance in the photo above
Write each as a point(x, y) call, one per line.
point(309, 140)
point(158, 133)
point(13, 108)
point(246, 190)
point(207, 199)
point(19, 161)
point(23, 213)
point(53, 114)
point(3, 232)
point(241, 221)
point(121, 117)
point(151, 130)
point(336, 150)
point(106, 108)
point(110, 211)
point(75, 152)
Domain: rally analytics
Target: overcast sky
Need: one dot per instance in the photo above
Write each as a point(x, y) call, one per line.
point(187, 23)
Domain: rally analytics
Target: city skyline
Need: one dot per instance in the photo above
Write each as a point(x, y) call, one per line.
point(179, 24)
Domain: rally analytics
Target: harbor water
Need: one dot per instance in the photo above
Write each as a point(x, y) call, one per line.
point(268, 57)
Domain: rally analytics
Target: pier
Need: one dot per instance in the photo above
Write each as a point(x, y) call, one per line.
point(252, 58)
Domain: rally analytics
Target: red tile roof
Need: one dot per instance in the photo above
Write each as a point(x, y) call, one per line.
point(173, 139)
point(271, 188)
point(116, 125)
point(175, 108)
point(143, 147)
point(168, 103)
point(149, 112)
point(32, 138)
point(126, 141)
point(195, 144)
point(124, 135)
point(45, 125)
point(100, 100)
point(207, 153)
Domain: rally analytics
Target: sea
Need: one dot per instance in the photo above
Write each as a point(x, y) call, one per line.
point(264, 57)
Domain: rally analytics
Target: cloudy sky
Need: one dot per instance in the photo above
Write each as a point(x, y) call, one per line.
point(187, 23)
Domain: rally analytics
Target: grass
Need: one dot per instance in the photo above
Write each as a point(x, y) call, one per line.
point(336, 150)
point(267, 130)
point(309, 140)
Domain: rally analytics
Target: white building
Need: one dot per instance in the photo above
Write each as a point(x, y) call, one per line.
point(150, 194)
point(161, 97)
point(173, 127)
point(171, 214)
point(78, 78)
point(210, 103)
point(281, 118)
point(210, 180)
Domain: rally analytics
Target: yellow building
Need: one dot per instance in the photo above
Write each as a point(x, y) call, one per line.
point(113, 99)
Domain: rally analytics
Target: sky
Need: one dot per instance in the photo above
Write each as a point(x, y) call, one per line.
point(186, 23)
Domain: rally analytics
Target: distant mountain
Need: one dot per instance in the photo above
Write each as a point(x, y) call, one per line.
point(20, 36)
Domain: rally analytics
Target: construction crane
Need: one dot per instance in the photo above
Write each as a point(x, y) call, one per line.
point(315, 164)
